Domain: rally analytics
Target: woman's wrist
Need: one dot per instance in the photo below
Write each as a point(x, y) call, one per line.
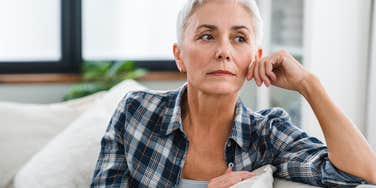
point(308, 85)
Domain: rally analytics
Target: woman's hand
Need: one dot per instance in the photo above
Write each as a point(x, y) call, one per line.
point(229, 178)
point(280, 69)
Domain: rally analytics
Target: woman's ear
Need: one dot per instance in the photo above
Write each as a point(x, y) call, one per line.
point(178, 58)
point(257, 56)
point(259, 53)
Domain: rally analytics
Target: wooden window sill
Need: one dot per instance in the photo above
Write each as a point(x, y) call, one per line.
point(74, 78)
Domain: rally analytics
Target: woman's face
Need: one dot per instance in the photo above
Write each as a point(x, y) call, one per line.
point(218, 46)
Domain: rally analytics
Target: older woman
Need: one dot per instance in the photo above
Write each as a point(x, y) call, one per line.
point(203, 135)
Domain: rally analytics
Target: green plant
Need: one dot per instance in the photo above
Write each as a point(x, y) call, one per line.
point(102, 75)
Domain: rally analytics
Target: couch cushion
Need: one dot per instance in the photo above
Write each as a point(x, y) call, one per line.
point(69, 159)
point(26, 128)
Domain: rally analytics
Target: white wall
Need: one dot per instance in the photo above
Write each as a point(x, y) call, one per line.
point(371, 115)
point(336, 49)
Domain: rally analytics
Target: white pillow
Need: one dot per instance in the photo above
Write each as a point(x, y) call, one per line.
point(26, 128)
point(263, 179)
point(281, 183)
point(69, 159)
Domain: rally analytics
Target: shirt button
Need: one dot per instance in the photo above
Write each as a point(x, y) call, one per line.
point(230, 165)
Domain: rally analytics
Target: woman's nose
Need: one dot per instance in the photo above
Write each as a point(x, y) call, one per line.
point(223, 52)
point(222, 57)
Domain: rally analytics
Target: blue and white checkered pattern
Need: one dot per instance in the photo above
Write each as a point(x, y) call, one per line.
point(145, 145)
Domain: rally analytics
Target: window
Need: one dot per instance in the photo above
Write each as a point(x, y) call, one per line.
point(39, 36)
point(46, 34)
point(30, 34)
point(141, 30)
point(283, 30)
point(287, 33)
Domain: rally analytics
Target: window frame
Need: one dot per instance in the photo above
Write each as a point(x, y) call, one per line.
point(70, 46)
point(71, 54)
point(71, 49)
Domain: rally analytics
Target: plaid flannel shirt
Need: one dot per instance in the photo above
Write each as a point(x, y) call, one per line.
point(145, 145)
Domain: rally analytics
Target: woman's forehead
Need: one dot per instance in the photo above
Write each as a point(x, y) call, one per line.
point(221, 14)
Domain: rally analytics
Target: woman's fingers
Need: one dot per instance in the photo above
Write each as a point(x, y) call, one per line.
point(269, 71)
point(262, 71)
point(280, 69)
point(236, 177)
point(228, 170)
point(242, 175)
point(230, 179)
point(263, 76)
point(256, 73)
point(250, 70)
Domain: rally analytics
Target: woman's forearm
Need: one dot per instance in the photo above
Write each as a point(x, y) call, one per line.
point(348, 149)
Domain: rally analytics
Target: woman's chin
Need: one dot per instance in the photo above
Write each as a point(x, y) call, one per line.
point(220, 88)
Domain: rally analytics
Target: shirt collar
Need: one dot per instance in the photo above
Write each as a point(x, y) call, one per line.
point(241, 129)
point(172, 117)
point(242, 125)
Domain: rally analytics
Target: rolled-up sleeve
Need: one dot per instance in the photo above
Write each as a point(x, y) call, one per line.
point(301, 158)
point(111, 169)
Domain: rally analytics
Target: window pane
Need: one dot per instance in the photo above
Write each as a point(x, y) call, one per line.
point(287, 33)
point(30, 30)
point(125, 29)
point(287, 25)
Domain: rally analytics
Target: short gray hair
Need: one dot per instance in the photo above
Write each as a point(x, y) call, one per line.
point(191, 5)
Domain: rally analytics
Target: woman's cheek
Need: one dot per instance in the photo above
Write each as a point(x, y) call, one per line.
point(245, 61)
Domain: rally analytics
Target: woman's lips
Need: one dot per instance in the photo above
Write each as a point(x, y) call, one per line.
point(221, 73)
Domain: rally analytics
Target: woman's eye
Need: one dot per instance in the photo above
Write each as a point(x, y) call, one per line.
point(240, 39)
point(206, 37)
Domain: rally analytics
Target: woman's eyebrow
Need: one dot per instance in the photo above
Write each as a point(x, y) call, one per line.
point(211, 27)
point(237, 27)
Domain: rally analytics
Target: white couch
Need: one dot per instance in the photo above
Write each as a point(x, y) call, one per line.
point(57, 145)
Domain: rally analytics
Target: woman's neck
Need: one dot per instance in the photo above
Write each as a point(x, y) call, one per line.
point(208, 113)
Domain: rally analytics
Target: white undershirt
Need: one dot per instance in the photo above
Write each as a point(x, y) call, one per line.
point(186, 183)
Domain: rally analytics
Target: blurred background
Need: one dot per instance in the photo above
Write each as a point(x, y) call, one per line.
point(44, 44)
